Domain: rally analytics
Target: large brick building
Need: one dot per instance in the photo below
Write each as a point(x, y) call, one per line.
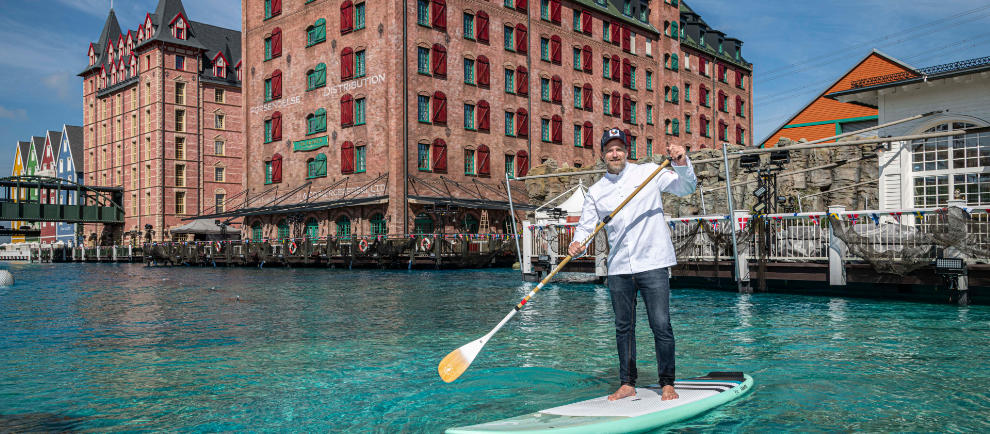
point(163, 119)
point(357, 123)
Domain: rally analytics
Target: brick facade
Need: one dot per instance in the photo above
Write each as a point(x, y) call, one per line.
point(394, 82)
point(168, 96)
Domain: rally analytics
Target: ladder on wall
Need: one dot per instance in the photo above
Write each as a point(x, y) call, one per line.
point(483, 225)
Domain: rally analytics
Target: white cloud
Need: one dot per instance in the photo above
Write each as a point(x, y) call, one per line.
point(15, 114)
point(64, 84)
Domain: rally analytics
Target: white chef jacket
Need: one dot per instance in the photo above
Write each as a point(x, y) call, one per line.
point(638, 235)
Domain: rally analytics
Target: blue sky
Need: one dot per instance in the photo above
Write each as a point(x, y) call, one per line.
point(798, 47)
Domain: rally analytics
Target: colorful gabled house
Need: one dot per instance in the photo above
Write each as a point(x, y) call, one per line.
point(69, 168)
point(824, 117)
point(19, 194)
point(31, 167)
point(49, 154)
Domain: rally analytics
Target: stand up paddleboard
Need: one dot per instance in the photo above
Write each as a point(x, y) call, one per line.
point(642, 412)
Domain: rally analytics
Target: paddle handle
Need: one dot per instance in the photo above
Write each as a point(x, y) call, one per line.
point(568, 258)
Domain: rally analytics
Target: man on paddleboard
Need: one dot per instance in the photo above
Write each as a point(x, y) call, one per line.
point(640, 251)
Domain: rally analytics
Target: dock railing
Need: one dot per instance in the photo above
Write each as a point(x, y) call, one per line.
point(917, 235)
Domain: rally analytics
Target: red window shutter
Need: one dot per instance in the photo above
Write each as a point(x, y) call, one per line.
point(738, 134)
point(482, 27)
point(521, 5)
point(555, 47)
point(625, 38)
point(555, 11)
point(626, 108)
point(738, 78)
point(440, 14)
point(346, 17)
point(347, 157)
point(556, 88)
point(439, 60)
point(721, 101)
point(276, 42)
point(586, 23)
point(522, 163)
point(483, 110)
point(277, 84)
point(521, 41)
point(616, 33)
point(704, 66)
point(276, 126)
point(276, 7)
point(439, 155)
point(586, 96)
point(346, 63)
point(484, 160)
point(721, 71)
point(615, 103)
point(346, 110)
point(586, 58)
point(615, 67)
point(739, 106)
point(626, 72)
point(277, 168)
point(522, 81)
point(522, 123)
point(484, 69)
point(556, 124)
point(439, 108)
point(586, 134)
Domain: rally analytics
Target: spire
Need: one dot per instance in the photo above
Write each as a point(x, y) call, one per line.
point(111, 29)
point(168, 9)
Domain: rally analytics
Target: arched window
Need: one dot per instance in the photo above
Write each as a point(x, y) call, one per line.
point(438, 60)
point(347, 157)
point(378, 225)
point(484, 71)
point(346, 110)
point(316, 122)
point(256, 231)
point(522, 163)
point(343, 226)
point(439, 156)
point(346, 63)
point(316, 77)
point(316, 33)
point(483, 116)
point(312, 229)
point(283, 229)
point(484, 160)
point(316, 167)
point(439, 108)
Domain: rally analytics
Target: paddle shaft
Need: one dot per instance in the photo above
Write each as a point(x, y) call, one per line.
point(568, 258)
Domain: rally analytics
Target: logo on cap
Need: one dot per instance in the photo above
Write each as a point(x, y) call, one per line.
point(614, 132)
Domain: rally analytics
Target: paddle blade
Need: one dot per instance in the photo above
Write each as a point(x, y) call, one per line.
point(452, 366)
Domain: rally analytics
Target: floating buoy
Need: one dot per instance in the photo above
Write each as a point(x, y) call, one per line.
point(6, 279)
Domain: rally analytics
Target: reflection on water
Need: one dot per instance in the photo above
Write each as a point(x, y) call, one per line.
point(124, 347)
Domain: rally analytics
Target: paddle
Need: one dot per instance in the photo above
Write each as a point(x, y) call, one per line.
point(455, 363)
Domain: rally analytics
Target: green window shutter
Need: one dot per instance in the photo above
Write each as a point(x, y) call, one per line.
point(673, 62)
point(321, 168)
point(321, 75)
point(674, 95)
point(321, 30)
point(676, 126)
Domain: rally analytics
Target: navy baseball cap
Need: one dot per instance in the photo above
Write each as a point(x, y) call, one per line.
point(612, 134)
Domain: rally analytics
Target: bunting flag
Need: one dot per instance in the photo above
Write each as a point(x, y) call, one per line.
point(919, 214)
point(876, 219)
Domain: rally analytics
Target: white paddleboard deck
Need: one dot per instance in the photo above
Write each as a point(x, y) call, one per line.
point(644, 411)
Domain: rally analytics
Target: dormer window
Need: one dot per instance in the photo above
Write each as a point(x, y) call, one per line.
point(92, 55)
point(219, 66)
point(237, 70)
point(179, 27)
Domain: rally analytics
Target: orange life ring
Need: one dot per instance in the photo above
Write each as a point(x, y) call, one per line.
point(425, 243)
point(293, 248)
point(363, 245)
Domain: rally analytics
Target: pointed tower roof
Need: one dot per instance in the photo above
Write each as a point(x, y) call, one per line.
point(23, 147)
point(166, 11)
point(109, 35)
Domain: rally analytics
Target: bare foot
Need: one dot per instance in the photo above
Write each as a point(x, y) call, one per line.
point(624, 391)
point(669, 393)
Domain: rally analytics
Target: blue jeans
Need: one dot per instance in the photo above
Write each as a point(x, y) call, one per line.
point(655, 287)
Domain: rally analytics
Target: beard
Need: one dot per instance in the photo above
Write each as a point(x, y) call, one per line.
point(615, 167)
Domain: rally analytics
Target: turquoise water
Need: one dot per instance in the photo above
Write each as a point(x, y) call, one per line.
point(127, 348)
